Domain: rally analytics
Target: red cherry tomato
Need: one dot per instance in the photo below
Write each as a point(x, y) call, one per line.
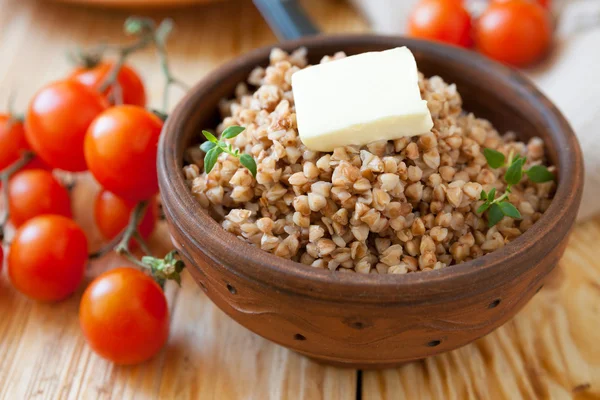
point(516, 32)
point(441, 20)
point(120, 150)
point(47, 258)
point(124, 316)
point(57, 119)
point(112, 213)
point(36, 192)
point(12, 140)
point(544, 3)
point(132, 88)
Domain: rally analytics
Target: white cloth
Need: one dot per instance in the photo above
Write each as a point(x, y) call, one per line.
point(570, 77)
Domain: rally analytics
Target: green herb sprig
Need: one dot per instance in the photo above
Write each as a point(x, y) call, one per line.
point(213, 147)
point(501, 207)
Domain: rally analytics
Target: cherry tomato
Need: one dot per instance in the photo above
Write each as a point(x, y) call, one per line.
point(441, 20)
point(124, 316)
point(35, 192)
point(12, 140)
point(132, 88)
point(57, 119)
point(516, 32)
point(111, 214)
point(47, 258)
point(120, 150)
point(544, 3)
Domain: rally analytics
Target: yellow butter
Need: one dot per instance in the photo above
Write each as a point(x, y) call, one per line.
point(360, 99)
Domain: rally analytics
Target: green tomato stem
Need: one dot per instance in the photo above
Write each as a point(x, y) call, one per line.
point(121, 241)
point(13, 115)
point(4, 178)
point(128, 255)
point(107, 248)
point(164, 65)
point(131, 232)
point(147, 35)
point(132, 226)
point(124, 53)
point(142, 243)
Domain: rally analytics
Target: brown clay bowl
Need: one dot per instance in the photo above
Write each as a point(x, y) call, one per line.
point(374, 320)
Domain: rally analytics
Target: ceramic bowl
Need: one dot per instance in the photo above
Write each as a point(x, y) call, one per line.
point(374, 320)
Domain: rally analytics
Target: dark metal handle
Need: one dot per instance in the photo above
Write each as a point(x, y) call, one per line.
point(286, 18)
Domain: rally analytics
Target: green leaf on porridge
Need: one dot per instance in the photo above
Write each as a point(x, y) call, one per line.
point(494, 215)
point(494, 158)
point(232, 131)
point(207, 146)
point(514, 173)
point(211, 158)
point(539, 174)
point(210, 137)
point(500, 207)
point(509, 210)
point(482, 208)
point(214, 147)
point(248, 162)
point(483, 195)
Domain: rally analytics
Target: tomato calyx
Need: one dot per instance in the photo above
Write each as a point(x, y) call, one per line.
point(86, 59)
point(163, 269)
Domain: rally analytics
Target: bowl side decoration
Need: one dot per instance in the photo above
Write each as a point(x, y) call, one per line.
point(374, 320)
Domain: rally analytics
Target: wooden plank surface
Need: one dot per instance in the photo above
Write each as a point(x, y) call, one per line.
point(42, 352)
point(549, 351)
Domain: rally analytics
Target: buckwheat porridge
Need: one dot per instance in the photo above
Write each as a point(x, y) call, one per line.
point(390, 207)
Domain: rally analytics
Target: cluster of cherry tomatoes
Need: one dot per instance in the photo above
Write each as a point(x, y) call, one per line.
point(515, 32)
point(71, 125)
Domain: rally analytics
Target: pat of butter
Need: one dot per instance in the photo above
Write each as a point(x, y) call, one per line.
point(360, 99)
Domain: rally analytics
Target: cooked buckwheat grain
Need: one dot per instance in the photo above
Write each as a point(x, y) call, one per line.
point(386, 208)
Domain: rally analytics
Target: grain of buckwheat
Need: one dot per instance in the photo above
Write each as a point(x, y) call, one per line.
point(386, 208)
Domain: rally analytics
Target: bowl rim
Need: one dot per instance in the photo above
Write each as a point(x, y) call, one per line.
point(272, 271)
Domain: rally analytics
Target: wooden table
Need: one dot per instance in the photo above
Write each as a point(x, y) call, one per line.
point(550, 350)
